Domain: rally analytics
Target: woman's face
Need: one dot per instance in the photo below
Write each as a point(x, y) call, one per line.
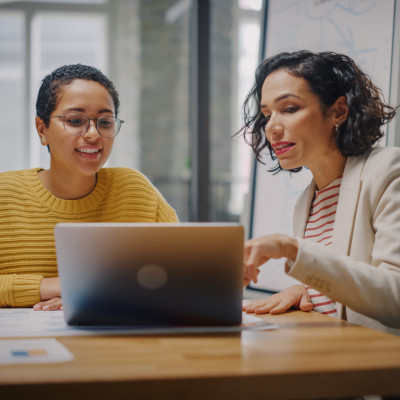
point(299, 130)
point(79, 155)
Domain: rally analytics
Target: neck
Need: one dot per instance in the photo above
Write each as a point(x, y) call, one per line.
point(67, 187)
point(328, 170)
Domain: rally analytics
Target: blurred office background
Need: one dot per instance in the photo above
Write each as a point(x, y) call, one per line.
point(147, 48)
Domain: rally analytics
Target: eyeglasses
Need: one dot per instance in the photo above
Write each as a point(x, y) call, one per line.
point(76, 124)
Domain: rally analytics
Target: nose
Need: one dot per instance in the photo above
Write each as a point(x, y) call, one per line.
point(92, 130)
point(274, 127)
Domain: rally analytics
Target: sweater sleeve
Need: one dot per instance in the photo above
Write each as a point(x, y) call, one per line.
point(19, 290)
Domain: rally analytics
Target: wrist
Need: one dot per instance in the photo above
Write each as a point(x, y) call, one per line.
point(291, 248)
point(49, 288)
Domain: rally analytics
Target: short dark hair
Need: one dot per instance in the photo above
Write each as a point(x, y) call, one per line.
point(329, 75)
point(52, 83)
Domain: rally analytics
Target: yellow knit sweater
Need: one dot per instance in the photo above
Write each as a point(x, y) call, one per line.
point(28, 214)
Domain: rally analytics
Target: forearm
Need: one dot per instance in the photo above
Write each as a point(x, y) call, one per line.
point(369, 290)
point(50, 288)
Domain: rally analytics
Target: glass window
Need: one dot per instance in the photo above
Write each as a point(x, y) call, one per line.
point(69, 1)
point(235, 36)
point(12, 88)
point(151, 68)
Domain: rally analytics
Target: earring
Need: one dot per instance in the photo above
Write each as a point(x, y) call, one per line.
point(337, 126)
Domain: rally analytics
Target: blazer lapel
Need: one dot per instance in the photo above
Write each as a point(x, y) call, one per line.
point(346, 211)
point(302, 209)
point(347, 207)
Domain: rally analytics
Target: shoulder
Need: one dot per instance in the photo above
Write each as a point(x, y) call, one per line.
point(382, 162)
point(123, 174)
point(16, 178)
point(10, 174)
point(384, 153)
point(125, 179)
point(16, 187)
point(130, 190)
point(378, 171)
point(379, 162)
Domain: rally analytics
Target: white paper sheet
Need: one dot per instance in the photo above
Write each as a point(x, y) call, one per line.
point(33, 351)
point(25, 322)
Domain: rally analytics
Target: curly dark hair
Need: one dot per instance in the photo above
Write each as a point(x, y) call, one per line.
point(52, 83)
point(329, 75)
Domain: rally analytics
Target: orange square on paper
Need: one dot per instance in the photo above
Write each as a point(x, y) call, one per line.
point(37, 352)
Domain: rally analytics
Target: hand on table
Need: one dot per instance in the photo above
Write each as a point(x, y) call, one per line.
point(50, 295)
point(49, 305)
point(295, 297)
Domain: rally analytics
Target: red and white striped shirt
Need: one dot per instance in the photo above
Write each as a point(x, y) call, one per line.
point(319, 228)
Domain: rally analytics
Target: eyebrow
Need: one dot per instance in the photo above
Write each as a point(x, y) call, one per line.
point(280, 98)
point(82, 110)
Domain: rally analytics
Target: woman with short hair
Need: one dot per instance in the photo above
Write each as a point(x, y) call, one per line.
point(77, 119)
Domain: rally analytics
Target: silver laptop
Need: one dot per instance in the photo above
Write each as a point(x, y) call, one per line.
point(150, 274)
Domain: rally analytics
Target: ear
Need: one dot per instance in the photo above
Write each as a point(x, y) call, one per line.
point(41, 130)
point(339, 111)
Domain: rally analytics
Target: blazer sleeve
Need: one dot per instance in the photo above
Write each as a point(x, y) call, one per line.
point(366, 278)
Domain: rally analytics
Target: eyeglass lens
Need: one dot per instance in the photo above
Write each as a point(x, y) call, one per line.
point(78, 124)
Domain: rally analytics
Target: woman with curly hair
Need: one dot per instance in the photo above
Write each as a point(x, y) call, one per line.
point(320, 111)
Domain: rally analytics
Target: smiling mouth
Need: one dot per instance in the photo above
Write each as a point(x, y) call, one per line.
point(282, 148)
point(88, 151)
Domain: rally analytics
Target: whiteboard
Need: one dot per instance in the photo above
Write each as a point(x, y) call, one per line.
point(363, 30)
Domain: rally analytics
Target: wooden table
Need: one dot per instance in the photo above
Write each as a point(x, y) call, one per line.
point(310, 356)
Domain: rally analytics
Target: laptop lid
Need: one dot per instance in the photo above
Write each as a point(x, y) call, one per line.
point(150, 273)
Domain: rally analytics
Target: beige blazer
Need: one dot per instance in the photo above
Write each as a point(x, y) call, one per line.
point(361, 269)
